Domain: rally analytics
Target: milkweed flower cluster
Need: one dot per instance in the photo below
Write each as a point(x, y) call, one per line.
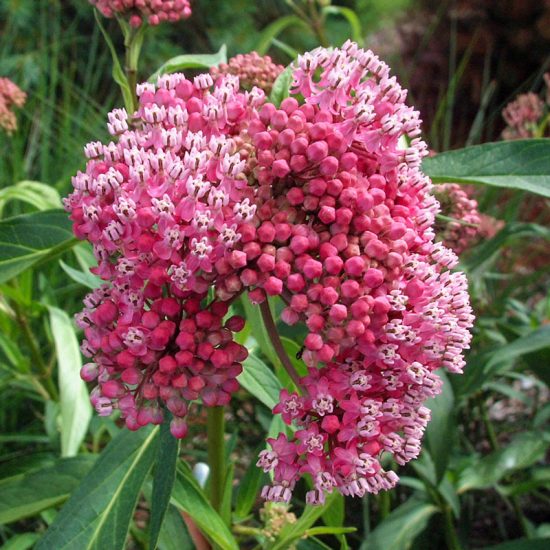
point(252, 70)
point(153, 11)
point(10, 96)
point(319, 201)
point(465, 228)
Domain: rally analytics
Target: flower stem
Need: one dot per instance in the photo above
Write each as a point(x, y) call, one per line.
point(450, 532)
point(216, 454)
point(277, 344)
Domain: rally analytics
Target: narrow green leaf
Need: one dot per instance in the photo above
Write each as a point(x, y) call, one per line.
point(25, 240)
point(260, 381)
point(75, 406)
point(523, 451)
point(352, 18)
point(522, 164)
point(329, 531)
point(441, 431)
point(163, 481)
point(40, 195)
point(522, 544)
point(401, 527)
point(89, 280)
point(26, 495)
point(99, 512)
point(292, 532)
point(227, 497)
point(190, 498)
point(249, 487)
point(191, 61)
point(21, 542)
point(275, 29)
point(174, 534)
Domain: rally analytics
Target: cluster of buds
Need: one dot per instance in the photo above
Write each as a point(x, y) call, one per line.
point(525, 114)
point(465, 227)
point(252, 70)
point(320, 202)
point(10, 96)
point(153, 11)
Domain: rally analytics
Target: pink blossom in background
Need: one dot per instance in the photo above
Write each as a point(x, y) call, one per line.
point(10, 96)
point(252, 70)
point(153, 11)
point(522, 116)
point(317, 201)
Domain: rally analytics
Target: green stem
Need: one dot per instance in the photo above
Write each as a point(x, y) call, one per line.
point(384, 504)
point(271, 329)
point(40, 365)
point(133, 40)
point(216, 454)
point(450, 532)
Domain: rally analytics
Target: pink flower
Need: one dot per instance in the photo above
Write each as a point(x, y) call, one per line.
point(154, 11)
point(11, 96)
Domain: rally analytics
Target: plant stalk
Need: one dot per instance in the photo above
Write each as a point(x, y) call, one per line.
point(216, 454)
point(450, 532)
point(277, 344)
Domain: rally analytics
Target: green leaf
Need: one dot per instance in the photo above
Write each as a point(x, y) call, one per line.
point(483, 366)
point(401, 527)
point(520, 164)
point(174, 534)
point(99, 512)
point(249, 487)
point(281, 87)
point(523, 451)
point(75, 406)
point(89, 280)
point(37, 194)
point(25, 240)
point(441, 430)
point(353, 20)
point(163, 482)
point(538, 477)
point(292, 532)
point(275, 29)
point(521, 544)
point(26, 495)
point(260, 381)
point(191, 61)
point(21, 542)
point(188, 497)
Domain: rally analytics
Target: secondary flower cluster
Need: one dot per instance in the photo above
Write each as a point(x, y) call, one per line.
point(465, 227)
point(154, 11)
point(319, 201)
point(10, 96)
point(252, 70)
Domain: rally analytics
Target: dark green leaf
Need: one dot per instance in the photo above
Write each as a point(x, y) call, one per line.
point(86, 279)
point(401, 527)
point(352, 18)
point(28, 494)
point(191, 61)
point(521, 544)
point(277, 27)
point(163, 481)
point(99, 512)
point(523, 451)
point(21, 542)
point(190, 498)
point(174, 534)
point(26, 240)
point(441, 431)
point(520, 164)
point(249, 486)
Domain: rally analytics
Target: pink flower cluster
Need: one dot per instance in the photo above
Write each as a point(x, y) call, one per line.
point(522, 116)
point(10, 96)
point(458, 204)
point(154, 11)
point(252, 70)
point(319, 201)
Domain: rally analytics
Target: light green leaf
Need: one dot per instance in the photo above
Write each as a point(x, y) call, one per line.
point(191, 61)
point(99, 512)
point(165, 475)
point(21, 542)
point(87, 279)
point(401, 527)
point(275, 29)
point(188, 497)
point(75, 406)
point(27, 495)
point(31, 238)
point(523, 451)
point(37, 194)
point(281, 87)
point(249, 487)
point(260, 381)
point(522, 164)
